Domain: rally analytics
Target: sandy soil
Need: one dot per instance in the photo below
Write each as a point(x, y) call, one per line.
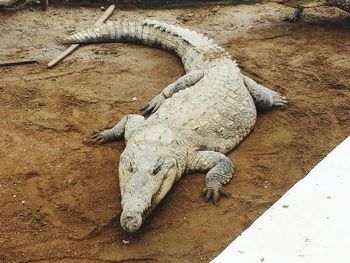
point(59, 197)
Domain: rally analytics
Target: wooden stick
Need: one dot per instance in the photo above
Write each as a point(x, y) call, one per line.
point(73, 47)
point(18, 62)
point(105, 16)
point(62, 56)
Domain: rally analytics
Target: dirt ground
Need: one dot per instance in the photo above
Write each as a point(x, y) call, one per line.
point(59, 197)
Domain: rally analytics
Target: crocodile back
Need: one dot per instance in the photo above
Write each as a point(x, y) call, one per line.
point(217, 111)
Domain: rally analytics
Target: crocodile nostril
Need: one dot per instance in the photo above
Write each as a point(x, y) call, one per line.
point(129, 218)
point(131, 223)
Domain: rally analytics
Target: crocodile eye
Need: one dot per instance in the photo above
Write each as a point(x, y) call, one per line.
point(157, 169)
point(132, 168)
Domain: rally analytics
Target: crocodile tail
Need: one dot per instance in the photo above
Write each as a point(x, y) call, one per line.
point(185, 43)
point(147, 32)
point(110, 32)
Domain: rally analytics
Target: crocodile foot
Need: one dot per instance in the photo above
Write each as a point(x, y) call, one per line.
point(100, 137)
point(154, 104)
point(293, 18)
point(214, 193)
point(278, 99)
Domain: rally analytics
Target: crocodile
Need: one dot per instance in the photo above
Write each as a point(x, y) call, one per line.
point(299, 6)
point(189, 126)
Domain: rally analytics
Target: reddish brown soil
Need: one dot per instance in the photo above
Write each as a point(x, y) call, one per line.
point(59, 197)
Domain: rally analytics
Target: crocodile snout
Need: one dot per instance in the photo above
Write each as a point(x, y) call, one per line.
point(131, 222)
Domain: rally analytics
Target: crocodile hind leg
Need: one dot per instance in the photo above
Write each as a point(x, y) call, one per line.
point(220, 168)
point(184, 82)
point(263, 97)
point(123, 128)
point(293, 18)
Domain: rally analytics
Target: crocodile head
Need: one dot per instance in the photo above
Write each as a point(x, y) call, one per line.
point(145, 178)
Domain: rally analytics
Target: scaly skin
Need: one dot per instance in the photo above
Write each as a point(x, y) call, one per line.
point(299, 6)
point(194, 121)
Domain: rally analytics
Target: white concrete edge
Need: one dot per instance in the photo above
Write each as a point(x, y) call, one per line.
point(310, 223)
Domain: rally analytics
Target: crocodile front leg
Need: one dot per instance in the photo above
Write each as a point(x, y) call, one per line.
point(293, 18)
point(220, 168)
point(184, 82)
point(123, 128)
point(264, 98)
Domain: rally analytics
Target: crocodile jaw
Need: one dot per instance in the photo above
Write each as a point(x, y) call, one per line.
point(142, 191)
point(132, 219)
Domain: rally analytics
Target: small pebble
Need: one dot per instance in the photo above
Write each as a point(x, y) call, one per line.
point(125, 241)
point(215, 9)
point(103, 8)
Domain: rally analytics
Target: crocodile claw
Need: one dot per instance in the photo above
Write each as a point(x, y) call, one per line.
point(214, 193)
point(98, 137)
point(279, 100)
point(154, 104)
